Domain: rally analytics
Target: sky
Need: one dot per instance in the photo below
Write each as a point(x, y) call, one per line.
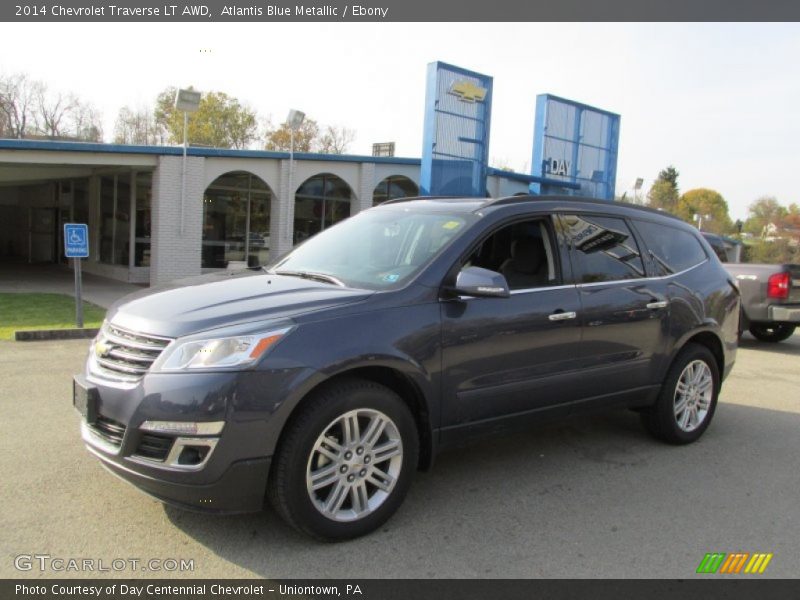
point(720, 102)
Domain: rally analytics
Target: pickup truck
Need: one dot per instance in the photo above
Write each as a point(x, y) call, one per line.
point(770, 295)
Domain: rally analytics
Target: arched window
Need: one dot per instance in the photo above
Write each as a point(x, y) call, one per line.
point(236, 211)
point(393, 187)
point(320, 202)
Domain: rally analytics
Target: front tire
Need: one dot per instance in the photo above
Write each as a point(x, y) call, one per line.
point(688, 397)
point(772, 332)
point(345, 462)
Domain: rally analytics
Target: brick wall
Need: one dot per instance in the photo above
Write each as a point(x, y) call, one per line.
point(176, 254)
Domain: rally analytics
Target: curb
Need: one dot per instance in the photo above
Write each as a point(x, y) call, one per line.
point(38, 335)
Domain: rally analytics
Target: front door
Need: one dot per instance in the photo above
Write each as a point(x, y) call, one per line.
point(516, 355)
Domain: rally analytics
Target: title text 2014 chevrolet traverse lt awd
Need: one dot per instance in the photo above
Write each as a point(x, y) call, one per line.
point(326, 380)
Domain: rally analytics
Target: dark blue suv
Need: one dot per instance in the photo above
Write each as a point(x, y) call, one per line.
point(324, 381)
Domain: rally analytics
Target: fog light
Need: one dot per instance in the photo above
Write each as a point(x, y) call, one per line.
point(193, 455)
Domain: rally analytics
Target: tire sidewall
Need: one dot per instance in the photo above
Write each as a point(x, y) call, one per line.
point(337, 401)
point(666, 404)
point(781, 331)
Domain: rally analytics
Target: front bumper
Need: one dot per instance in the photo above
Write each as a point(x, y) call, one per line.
point(784, 314)
point(233, 475)
point(240, 489)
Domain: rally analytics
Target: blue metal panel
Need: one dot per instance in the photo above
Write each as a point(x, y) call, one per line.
point(455, 152)
point(574, 143)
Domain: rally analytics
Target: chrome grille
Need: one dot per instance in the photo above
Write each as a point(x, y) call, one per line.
point(112, 432)
point(127, 354)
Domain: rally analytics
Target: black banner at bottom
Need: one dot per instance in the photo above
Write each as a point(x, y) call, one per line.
point(391, 589)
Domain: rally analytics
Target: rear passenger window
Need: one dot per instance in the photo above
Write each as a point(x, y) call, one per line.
point(604, 248)
point(672, 249)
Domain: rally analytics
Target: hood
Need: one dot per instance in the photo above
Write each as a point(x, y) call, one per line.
point(226, 298)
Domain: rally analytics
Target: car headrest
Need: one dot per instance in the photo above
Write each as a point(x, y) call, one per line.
point(527, 254)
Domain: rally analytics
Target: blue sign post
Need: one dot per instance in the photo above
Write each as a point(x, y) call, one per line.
point(455, 152)
point(574, 144)
point(76, 247)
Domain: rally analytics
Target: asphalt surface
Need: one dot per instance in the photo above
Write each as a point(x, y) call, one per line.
point(590, 497)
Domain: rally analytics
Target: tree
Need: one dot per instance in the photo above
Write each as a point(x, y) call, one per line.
point(306, 137)
point(663, 194)
point(61, 115)
point(86, 122)
point(138, 127)
point(669, 174)
point(704, 202)
point(336, 139)
point(220, 121)
point(17, 98)
point(762, 212)
point(52, 112)
point(775, 252)
point(29, 108)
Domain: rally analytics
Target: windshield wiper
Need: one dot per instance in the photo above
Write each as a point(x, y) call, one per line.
point(310, 275)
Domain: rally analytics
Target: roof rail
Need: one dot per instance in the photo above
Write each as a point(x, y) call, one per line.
point(583, 199)
point(410, 198)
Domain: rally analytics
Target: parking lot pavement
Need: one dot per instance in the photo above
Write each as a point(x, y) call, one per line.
point(592, 497)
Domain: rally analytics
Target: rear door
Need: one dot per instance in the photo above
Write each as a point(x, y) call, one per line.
point(624, 314)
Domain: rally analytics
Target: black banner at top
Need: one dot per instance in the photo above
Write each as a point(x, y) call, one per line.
point(364, 11)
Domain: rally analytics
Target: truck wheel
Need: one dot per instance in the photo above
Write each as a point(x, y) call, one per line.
point(772, 332)
point(345, 462)
point(687, 399)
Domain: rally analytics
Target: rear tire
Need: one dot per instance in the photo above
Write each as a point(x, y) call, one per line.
point(688, 397)
point(772, 332)
point(345, 462)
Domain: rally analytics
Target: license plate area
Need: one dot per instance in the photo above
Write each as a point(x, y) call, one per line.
point(84, 398)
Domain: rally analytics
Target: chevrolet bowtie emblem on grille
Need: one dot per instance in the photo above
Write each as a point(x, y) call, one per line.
point(468, 91)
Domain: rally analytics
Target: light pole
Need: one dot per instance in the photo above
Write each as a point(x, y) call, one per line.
point(293, 121)
point(637, 186)
point(698, 218)
point(187, 101)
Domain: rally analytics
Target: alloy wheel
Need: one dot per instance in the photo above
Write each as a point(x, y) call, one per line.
point(354, 465)
point(693, 395)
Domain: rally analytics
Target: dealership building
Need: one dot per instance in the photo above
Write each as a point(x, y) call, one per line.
point(153, 217)
point(157, 213)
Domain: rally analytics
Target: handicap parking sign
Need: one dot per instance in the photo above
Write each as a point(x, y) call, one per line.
point(76, 240)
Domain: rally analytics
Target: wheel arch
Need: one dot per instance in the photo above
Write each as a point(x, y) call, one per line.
point(710, 340)
point(399, 382)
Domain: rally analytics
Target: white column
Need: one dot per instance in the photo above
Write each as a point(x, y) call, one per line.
point(281, 227)
point(366, 187)
point(173, 255)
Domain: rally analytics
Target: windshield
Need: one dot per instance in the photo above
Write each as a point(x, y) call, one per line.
point(378, 249)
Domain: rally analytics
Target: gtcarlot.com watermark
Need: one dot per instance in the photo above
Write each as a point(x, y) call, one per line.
point(45, 563)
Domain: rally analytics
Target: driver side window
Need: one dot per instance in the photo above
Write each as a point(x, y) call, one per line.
point(522, 252)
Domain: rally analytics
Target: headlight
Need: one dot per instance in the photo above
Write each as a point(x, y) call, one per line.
point(223, 352)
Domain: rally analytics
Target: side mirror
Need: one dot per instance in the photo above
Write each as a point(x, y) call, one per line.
point(481, 283)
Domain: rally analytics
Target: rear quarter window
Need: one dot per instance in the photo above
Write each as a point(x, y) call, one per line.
point(672, 249)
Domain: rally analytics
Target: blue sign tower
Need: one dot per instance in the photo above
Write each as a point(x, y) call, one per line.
point(574, 143)
point(455, 152)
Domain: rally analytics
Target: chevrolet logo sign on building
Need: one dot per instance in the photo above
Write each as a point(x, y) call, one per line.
point(468, 91)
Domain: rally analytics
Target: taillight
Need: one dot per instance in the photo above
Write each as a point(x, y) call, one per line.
point(778, 286)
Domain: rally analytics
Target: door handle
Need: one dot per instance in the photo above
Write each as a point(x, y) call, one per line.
point(562, 316)
point(658, 304)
